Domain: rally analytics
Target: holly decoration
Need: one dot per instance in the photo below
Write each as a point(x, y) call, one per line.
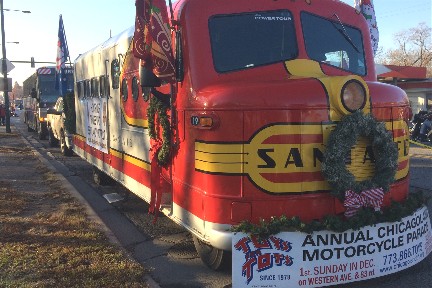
point(365, 217)
point(156, 106)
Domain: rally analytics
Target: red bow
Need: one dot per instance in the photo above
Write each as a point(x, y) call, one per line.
point(367, 198)
point(156, 179)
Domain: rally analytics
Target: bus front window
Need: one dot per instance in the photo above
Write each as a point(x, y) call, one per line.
point(247, 40)
point(333, 43)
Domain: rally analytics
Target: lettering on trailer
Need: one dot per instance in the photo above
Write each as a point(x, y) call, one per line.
point(96, 123)
point(326, 258)
point(286, 158)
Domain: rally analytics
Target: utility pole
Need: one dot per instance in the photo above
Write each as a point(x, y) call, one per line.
point(4, 70)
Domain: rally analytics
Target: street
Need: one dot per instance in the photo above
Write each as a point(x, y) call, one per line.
point(167, 249)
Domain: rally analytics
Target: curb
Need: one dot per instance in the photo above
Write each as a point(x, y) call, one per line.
point(420, 144)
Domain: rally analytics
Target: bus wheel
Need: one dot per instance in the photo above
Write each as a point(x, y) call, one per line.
point(66, 151)
point(100, 178)
point(51, 140)
point(41, 134)
point(214, 258)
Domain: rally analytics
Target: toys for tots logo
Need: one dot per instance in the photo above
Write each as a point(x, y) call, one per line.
point(263, 254)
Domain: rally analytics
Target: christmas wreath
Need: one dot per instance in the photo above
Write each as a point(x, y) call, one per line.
point(340, 142)
point(158, 106)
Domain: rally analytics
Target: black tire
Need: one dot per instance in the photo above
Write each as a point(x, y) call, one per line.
point(52, 141)
point(214, 258)
point(101, 179)
point(29, 129)
point(41, 133)
point(66, 151)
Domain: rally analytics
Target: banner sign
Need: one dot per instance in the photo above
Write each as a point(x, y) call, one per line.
point(296, 259)
point(96, 123)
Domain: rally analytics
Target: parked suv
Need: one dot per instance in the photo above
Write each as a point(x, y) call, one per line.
point(57, 133)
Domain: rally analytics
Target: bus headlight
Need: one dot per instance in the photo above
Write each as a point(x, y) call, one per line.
point(353, 95)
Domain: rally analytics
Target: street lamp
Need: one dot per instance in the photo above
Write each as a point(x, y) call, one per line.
point(23, 11)
point(4, 65)
point(12, 42)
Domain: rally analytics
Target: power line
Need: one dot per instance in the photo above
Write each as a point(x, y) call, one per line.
point(415, 8)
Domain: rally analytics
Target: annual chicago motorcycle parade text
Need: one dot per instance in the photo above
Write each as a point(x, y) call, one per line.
point(415, 228)
point(396, 236)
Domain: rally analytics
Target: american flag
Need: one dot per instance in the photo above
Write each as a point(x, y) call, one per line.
point(62, 57)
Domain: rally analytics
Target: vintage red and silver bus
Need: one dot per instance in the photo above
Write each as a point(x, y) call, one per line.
point(258, 87)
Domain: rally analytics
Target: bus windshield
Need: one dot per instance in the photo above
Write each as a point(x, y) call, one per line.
point(333, 43)
point(47, 85)
point(70, 82)
point(241, 41)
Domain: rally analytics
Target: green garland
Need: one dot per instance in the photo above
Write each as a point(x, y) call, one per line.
point(69, 110)
point(340, 142)
point(365, 217)
point(159, 107)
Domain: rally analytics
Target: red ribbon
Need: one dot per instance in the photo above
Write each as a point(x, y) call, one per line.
point(156, 180)
point(367, 198)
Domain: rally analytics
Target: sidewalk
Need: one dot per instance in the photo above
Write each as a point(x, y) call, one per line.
point(47, 237)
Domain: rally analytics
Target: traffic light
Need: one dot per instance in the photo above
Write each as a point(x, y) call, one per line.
point(32, 62)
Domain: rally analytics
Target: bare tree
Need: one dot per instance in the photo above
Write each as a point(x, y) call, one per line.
point(17, 91)
point(414, 48)
point(380, 55)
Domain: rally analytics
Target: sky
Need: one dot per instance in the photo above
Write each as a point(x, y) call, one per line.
point(88, 23)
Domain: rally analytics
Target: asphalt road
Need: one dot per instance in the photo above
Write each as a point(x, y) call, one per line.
point(167, 250)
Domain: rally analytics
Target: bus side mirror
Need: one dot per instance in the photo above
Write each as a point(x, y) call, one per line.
point(33, 93)
point(148, 78)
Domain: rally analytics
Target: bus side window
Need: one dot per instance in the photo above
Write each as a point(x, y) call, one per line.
point(124, 90)
point(84, 89)
point(135, 90)
point(115, 74)
point(80, 89)
point(87, 89)
point(94, 87)
point(102, 87)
